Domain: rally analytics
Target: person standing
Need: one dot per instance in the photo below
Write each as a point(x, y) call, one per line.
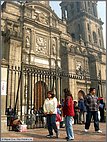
point(82, 107)
point(91, 102)
point(50, 110)
point(101, 109)
point(68, 113)
point(76, 111)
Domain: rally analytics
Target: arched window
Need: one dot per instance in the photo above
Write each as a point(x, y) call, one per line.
point(94, 37)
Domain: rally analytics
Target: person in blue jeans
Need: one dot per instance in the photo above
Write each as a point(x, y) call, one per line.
point(50, 110)
point(82, 108)
point(91, 102)
point(68, 113)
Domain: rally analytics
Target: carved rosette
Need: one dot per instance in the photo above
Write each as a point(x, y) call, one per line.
point(41, 45)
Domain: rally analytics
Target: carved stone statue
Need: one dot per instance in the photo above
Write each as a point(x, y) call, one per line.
point(53, 46)
point(27, 41)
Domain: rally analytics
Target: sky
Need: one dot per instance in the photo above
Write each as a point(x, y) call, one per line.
point(101, 13)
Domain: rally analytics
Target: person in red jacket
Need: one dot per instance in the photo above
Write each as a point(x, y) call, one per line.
point(68, 113)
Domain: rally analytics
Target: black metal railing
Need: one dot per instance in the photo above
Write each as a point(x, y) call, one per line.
point(27, 88)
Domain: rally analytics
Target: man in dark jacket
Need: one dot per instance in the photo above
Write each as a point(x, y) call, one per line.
point(91, 102)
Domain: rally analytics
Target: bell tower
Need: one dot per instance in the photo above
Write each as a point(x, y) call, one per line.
point(82, 20)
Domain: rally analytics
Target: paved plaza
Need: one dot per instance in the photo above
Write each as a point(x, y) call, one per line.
point(39, 134)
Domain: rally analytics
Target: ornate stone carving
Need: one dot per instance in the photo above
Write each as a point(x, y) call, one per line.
point(78, 49)
point(41, 45)
point(85, 52)
point(28, 13)
point(43, 18)
point(78, 65)
point(36, 16)
point(28, 38)
point(53, 46)
point(3, 25)
point(53, 22)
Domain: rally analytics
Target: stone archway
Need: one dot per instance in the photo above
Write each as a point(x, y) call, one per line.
point(40, 95)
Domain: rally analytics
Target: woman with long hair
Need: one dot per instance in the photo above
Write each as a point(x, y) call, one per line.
point(68, 113)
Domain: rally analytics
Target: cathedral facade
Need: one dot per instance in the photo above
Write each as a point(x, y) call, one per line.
point(42, 52)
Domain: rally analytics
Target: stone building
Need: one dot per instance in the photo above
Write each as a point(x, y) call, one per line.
point(42, 52)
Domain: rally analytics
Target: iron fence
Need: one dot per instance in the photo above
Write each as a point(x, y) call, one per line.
point(27, 88)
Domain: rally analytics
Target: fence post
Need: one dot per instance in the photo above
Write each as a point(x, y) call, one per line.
point(4, 68)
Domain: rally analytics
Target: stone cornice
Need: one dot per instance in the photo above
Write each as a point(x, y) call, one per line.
point(42, 26)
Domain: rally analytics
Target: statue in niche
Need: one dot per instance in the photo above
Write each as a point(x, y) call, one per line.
point(78, 65)
point(28, 38)
point(79, 68)
point(27, 41)
point(53, 46)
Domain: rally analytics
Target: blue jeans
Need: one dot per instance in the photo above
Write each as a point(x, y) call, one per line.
point(51, 123)
point(88, 120)
point(69, 127)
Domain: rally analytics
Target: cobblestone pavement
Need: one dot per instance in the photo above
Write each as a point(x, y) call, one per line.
point(39, 134)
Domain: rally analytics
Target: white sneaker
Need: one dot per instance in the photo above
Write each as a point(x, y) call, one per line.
point(99, 131)
point(86, 130)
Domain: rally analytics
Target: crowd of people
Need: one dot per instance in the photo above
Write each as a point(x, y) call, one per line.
point(69, 112)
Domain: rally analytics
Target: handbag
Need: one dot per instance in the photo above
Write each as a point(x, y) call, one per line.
point(58, 117)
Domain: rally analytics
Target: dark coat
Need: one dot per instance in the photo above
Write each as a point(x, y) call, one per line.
point(81, 105)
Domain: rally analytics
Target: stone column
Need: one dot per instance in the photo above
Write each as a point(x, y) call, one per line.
point(85, 3)
point(32, 40)
point(3, 98)
point(68, 11)
point(51, 20)
point(63, 13)
point(84, 31)
point(102, 40)
point(95, 7)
